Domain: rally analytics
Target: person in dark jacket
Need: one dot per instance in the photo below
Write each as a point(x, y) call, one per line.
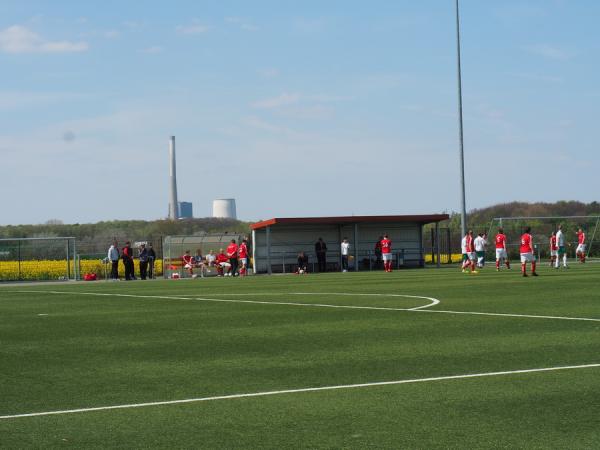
point(321, 252)
point(302, 263)
point(151, 259)
point(127, 256)
point(143, 256)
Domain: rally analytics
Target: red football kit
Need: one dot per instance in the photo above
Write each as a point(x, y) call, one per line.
point(187, 259)
point(243, 251)
point(469, 246)
point(222, 257)
point(232, 250)
point(526, 244)
point(500, 240)
point(581, 237)
point(386, 246)
point(553, 245)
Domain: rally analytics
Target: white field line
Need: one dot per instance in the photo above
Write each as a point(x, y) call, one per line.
point(296, 391)
point(320, 305)
point(433, 301)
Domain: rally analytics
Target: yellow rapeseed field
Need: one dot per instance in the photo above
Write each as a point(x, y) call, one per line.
point(54, 270)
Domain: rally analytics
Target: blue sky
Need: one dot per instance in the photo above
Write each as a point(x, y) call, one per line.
point(293, 108)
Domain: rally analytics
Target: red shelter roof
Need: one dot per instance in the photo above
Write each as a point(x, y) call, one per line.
point(342, 220)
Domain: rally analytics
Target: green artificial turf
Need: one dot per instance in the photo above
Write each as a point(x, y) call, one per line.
point(62, 349)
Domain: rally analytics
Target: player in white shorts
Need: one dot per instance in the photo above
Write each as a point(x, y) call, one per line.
point(580, 251)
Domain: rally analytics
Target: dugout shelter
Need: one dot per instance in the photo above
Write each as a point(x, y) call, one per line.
point(277, 241)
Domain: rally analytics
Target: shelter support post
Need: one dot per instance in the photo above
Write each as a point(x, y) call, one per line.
point(437, 243)
point(356, 247)
point(268, 243)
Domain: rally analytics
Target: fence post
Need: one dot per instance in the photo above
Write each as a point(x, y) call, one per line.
point(449, 245)
point(19, 258)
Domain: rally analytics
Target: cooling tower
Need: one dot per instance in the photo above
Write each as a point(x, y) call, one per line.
point(173, 205)
point(224, 208)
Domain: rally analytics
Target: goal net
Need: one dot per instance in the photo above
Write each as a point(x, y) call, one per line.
point(541, 230)
point(37, 259)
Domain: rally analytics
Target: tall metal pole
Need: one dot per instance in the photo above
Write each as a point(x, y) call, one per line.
point(173, 204)
point(463, 211)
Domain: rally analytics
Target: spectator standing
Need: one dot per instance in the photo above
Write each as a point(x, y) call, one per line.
point(151, 259)
point(143, 257)
point(127, 256)
point(232, 254)
point(321, 252)
point(378, 253)
point(113, 257)
point(345, 252)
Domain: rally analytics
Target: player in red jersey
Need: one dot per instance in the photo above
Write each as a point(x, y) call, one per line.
point(501, 253)
point(386, 253)
point(468, 249)
point(222, 263)
point(243, 257)
point(232, 250)
point(580, 252)
point(188, 262)
point(553, 249)
point(527, 253)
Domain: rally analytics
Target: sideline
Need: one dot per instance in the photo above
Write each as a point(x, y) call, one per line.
point(297, 391)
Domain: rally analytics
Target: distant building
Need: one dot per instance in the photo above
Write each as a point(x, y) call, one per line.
point(185, 210)
point(224, 208)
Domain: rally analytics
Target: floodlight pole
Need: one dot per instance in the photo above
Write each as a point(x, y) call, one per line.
point(463, 211)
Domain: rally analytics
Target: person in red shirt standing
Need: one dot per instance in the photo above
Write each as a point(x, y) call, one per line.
point(243, 257)
point(580, 252)
point(386, 253)
point(553, 249)
point(127, 255)
point(501, 253)
point(232, 253)
point(527, 253)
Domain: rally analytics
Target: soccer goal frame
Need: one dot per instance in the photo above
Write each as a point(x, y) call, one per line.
point(499, 222)
point(38, 259)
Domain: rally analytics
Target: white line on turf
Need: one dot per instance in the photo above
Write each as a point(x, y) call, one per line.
point(433, 301)
point(321, 305)
point(296, 391)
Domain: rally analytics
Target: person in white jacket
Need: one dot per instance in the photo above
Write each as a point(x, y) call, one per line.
point(113, 257)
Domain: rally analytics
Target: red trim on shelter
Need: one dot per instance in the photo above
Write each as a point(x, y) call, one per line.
point(348, 220)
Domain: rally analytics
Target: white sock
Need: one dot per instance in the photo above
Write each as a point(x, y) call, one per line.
point(565, 260)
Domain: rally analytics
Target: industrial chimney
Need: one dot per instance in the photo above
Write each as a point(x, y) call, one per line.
point(173, 204)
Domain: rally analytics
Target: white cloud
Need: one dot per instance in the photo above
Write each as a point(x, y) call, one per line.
point(269, 72)
point(284, 99)
point(18, 39)
point(153, 49)
point(244, 24)
point(194, 28)
point(111, 34)
point(549, 51)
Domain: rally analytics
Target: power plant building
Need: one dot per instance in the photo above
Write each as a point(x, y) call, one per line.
point(224, 208)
